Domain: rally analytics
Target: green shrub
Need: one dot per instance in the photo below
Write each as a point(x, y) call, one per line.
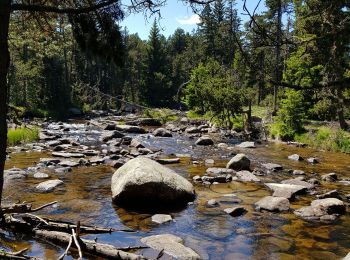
point(290, 116)
point(163, 114)
point(22, 135)
point(326, 138)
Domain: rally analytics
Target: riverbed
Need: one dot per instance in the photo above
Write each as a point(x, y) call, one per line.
point(213, 234)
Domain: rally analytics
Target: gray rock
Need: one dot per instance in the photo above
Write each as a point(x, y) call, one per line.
point(209, 161)
point(347, 196)
point(162, 132)
point(312, 160)
point(214, 171)
point(54, 143)
point(68, 155)
point(63, 169)
point(172, 246)
point(330, 177)
point(246, 176)
point(271, 203)
point(329, 194)
point(204, 140)
point(322, 209)
point(49, 161)
point(295, 157)
point(130, 129)
point(136, 143)
point(96, 160)
point(143, 181)
point(40, 175)
point(246, 145)
point(287, 191)
point(197, 178)
point(68, 163)
point(347, 257)
point(236, 211)
point(298, 172)
point(192, 130)
point(161, 218)
point(222, 145)
point(107, 136)
point(272, 166)
point(212, 203)
point(48, 186)
point(239, 162)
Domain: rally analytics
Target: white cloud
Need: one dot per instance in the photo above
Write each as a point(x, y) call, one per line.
point(194, 19)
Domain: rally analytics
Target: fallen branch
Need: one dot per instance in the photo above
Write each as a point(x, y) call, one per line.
point(55, 225)
point(76, 242)
point(67, 249)
point(23, 208)
point(88, 246)
point(16, 255)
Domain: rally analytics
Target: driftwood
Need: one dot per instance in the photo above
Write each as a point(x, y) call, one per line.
point(55, 225)
point(23, 208)
point(88, 246)
point(16, 255)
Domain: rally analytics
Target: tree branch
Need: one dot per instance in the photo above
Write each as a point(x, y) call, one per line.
point(54, 9)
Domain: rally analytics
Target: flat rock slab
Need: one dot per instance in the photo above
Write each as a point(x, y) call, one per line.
point(68, 155)
point(299, 182)
point(172, 245)
point(246, 145)
point(67, 163)
point(218, 171)
point(272, 166)
point(49, 160)
point(48, 186)
point(271, 203)
point(246, 176)
point(330, 177)
point(287, 191)
point(41, 175)
point(161, 218)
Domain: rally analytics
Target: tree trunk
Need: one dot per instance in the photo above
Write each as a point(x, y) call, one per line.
point(278, 56)
point(4, 66)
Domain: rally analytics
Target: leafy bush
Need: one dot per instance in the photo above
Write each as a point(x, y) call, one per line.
point(163, 114)
point(290, 116)
point(22, 135)
point(213, 89)
point(324, 109)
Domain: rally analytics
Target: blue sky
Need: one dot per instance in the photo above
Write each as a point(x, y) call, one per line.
point(176, 15)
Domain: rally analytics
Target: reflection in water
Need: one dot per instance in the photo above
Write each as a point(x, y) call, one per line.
point(86, 196)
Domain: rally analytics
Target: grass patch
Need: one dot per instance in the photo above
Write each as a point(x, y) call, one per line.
point(326, 138)
point(163, 114)
point(22, 135)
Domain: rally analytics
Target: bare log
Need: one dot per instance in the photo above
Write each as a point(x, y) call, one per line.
point(55, 225)
point(88, 246)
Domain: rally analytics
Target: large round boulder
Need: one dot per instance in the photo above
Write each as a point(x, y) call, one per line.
point(142, 181)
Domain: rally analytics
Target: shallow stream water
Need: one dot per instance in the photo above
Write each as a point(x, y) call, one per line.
point(86, 196)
